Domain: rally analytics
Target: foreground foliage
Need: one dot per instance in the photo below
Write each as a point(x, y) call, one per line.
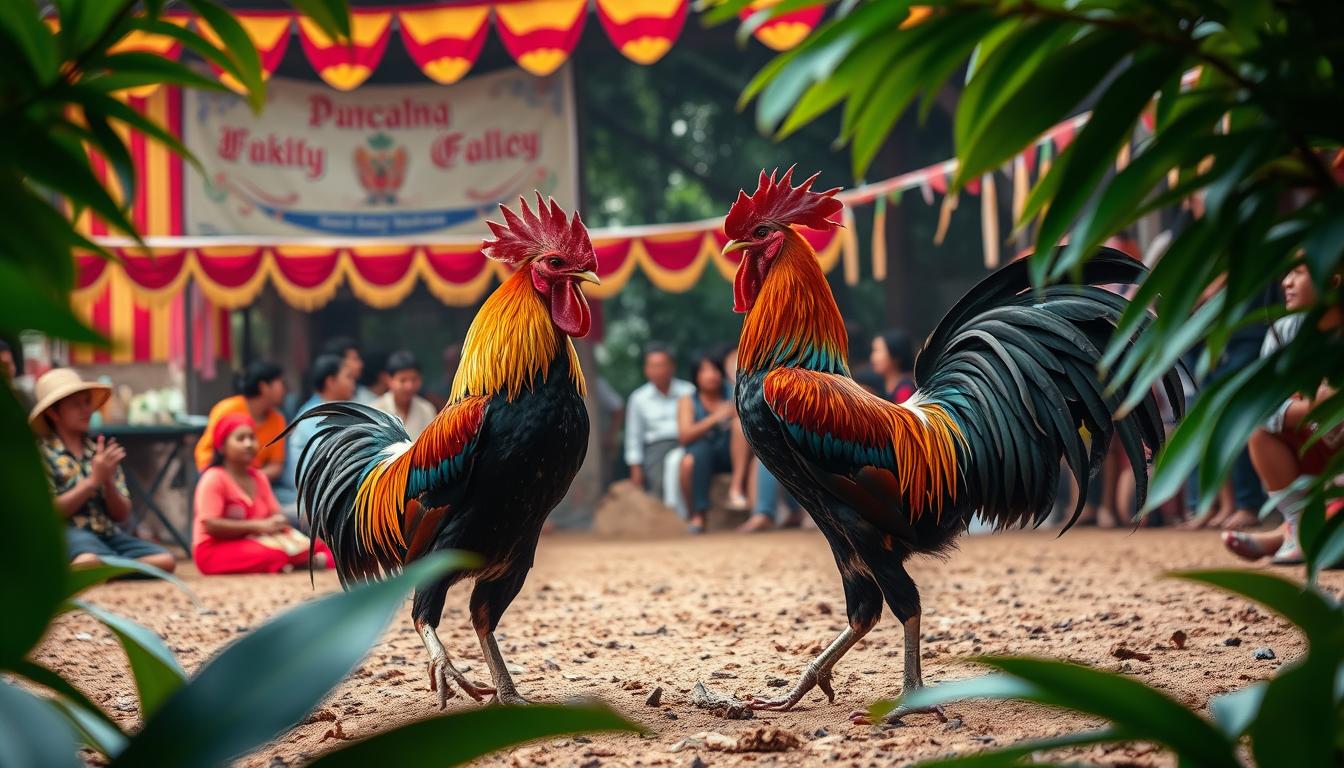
point(1295, 719)
point(60, 98)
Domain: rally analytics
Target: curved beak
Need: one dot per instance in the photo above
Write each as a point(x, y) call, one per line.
point(733, 245)
point(587, 277)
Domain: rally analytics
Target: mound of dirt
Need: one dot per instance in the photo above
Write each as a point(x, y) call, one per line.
point(627, 512)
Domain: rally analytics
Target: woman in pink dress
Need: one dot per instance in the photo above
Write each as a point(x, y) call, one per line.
point(238, 526)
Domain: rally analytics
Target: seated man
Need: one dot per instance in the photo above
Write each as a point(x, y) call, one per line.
point(402, 398)
point(651, 420)
point(85, 473)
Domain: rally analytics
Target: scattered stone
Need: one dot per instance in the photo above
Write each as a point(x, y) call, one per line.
point(764, 739)
point(1178, 639)
point(820, 733)
point(277, 762)
point(649, 632)
point(126, 704)
point(655, 697)
point(335, 733)
point(670, 715)
point(722, 675)
point(825, 609)
point(582, 740)
point(590, 763)
point(953, 724)
point(697, 762)
point(776, 682)
point(551, 665)
point(83, 636)
point(632, 685)
point(1265, 654)
point(1121, 652)
point(723, 705)
point(320, 716)
point(1232, 642)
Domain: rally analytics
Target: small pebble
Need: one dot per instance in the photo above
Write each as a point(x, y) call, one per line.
point(655, 697)
point(953, 724)
point(696, 762)
point(1265, 654)
point(1232, 641)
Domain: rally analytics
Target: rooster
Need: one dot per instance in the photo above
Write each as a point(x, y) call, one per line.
point(1007, 386)
point(490, 467)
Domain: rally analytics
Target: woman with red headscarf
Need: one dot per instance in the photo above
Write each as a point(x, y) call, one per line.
point(238, 526)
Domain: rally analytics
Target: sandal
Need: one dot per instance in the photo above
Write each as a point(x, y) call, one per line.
point(738, 503)
point(1240, 520)
point(1246, 546)
point(756, 523)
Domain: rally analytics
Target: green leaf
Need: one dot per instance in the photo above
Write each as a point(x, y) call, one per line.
point(157, 673)
point(1319, 618)
point(96, 101)
point(1234, 712)
point(102, 138)
point(31, 575)
point(1287, 730)
point(300, 655)
point(1013, 756)
point(84, 24)
point(134, 69)
point(1092, 154)
point(22, 307)
point(245, 63)
point(1129, 704)
point(1324, 244)
point(59, 163)
point(82, 577)
point(32, 732)
point(25, 33)
point(1007, 67)
point(98, 730)
point(716, 12)
point(1028, 111)
point(333, 16)
point(461, 737)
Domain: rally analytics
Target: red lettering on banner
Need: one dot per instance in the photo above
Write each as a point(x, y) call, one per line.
point(491, 147)
point(404, 114)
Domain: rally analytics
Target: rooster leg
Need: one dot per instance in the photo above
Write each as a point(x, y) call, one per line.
point(488, 601)
point(816, 675)
point(914, 680)
point(441, 669)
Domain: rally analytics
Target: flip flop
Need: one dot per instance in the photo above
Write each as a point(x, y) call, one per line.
point(1245, 546)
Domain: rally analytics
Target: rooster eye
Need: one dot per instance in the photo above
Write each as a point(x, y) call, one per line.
point(761, 231)
point(555, 262)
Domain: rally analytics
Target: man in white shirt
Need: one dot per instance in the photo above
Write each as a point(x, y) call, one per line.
point(402, 398)
point(651, 419)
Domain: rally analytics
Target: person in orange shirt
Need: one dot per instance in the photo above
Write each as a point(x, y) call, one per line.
point(261, 390)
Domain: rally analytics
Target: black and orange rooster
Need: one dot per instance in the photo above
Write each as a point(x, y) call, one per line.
point(1007, 386)
point(490, 467)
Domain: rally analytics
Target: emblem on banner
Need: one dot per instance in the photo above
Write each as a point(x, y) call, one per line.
point(382, 168)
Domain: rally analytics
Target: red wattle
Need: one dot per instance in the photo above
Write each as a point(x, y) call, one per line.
point(746, 284)
point(569, 308)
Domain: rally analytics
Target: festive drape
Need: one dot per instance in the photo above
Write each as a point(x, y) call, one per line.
point(444, 39)
point(307, 275)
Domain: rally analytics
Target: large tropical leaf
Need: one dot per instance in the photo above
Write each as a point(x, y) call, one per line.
point(273, 676)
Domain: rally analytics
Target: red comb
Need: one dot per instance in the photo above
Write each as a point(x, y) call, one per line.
point(779, 203)
point(523, 238)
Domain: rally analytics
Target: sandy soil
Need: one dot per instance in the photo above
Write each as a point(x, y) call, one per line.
point(614, 619)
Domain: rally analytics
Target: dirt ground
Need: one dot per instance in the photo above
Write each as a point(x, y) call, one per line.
point(614, 619)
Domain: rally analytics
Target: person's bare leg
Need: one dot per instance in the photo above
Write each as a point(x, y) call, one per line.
point(85, 558)
point(1276, 463)
point(163, 561)
point(441, 669)
point(695, 518)
point(739, 452)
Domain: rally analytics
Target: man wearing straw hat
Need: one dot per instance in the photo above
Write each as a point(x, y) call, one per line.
point(85, 473)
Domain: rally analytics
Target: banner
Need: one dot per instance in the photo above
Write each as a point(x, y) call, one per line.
point(380, 161)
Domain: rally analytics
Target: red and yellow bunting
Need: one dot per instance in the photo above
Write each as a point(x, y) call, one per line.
point(540, 34)
point(269, 33)
point(643, 30)
point(786, 30)
point(346, 66)
point(444, 42)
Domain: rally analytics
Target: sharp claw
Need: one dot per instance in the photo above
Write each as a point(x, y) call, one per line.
point(824, 683)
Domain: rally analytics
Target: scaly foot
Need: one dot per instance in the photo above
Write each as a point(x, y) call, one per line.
point(812, 678)
point(441, 671)
point(510, 699)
